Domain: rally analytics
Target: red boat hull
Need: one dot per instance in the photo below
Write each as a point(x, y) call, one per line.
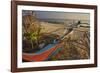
point(42, 56)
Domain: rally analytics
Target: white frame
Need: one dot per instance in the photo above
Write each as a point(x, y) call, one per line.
point(52, 63)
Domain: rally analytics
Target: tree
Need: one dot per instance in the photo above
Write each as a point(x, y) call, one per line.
point(32, 27)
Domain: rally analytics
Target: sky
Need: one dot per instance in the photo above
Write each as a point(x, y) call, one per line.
point(60, 15)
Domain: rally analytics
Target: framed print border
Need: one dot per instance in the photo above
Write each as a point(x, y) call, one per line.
point(14, 47)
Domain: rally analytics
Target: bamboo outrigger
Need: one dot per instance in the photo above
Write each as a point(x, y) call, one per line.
point(46, 52)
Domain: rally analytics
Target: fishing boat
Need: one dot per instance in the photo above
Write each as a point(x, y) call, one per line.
point(48, 51)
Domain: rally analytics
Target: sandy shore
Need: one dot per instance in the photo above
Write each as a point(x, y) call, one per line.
point(53, 28)
point(60, 28)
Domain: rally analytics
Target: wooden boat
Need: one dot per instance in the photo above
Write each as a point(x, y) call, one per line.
point(47, 52)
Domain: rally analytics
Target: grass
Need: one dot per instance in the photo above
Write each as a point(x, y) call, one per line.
point(74, 48)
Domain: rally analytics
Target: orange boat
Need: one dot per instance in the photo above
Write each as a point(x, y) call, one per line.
point(47, 52)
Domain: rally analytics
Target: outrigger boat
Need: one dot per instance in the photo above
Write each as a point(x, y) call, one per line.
point(46, 52)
